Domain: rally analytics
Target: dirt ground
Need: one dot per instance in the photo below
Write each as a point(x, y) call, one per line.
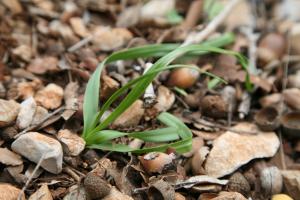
point(244, 121)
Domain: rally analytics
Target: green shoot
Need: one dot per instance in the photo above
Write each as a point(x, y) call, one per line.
point(175, 135)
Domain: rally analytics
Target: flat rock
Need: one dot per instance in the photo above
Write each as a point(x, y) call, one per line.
point(50, 97)
point(8, 112)
point(27, 111)
point(9, 192)
point(43, 193)
point(231, 150)
point(73, 144)
point(34, 146)
point(8, 157)
point(40, 114)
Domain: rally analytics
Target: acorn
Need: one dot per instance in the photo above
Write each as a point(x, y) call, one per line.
point(95, 186)
point(157, 162)
point(238, 183)
point(291, 124)
point(267, 119)
point(214, 106)
point(271, 47)
point(183, 77)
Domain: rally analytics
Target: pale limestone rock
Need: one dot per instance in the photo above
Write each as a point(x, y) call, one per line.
point(8, 112)
point(40, 114)
point(50, 97)
point(8, 157)
point(25, 116)
point(34, 146)
point(231, 150)
point(73, 144)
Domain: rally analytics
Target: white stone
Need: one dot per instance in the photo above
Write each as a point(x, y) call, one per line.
point(231, 150)
point(34, 146)
point(26, 113)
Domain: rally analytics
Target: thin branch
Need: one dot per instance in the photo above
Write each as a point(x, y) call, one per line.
point(194, 38)
point(31, 177)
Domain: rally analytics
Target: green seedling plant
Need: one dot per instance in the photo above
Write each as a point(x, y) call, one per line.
point(175, 134)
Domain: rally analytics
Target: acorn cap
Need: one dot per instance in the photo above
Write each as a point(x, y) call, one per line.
point(291, 124)
point(267, 119)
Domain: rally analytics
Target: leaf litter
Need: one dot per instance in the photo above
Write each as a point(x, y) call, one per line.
point(234, 135)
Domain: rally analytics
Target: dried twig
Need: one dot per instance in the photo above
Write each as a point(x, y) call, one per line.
point(149, 96)
point(34, 126)
point(194, 38)
point(31, 176)
point(193, 14)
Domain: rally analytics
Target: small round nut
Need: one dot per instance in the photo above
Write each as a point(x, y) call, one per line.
point(238, 183)
point(95, 186)
point(156, 162)
point(183, 77)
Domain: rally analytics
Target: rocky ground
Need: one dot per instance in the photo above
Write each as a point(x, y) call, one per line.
point(246, 144)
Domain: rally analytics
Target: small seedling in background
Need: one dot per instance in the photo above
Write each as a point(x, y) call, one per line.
point(176, 135)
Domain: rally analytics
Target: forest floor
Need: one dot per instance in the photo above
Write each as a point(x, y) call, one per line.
point(215, 126)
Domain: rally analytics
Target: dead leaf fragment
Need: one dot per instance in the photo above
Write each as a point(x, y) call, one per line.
point(71, 100)
point(23, 51)
point(78, 26)
point(116, 195)
point(13, 5)
point(291, 97)
point(201, 179)
point(43, 193)
point(229, 195)
point(107, 39)
point(9, 192)
point(28, 89)
point(50, 97)
point(74, 144)
point(232, 150)
point(8, 157)
point(132, 116)
point(291, 181)
point(42, 65)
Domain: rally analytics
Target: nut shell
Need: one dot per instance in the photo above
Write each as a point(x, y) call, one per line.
point(267, 119)
point(238, 183)
point(156, 162)
point(214, 106)
point(271, 47)
point(183, 78)
point(291, 124)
